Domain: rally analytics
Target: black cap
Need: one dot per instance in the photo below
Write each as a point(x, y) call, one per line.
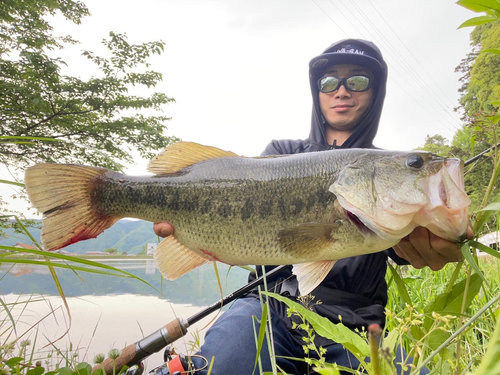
point(348, 51)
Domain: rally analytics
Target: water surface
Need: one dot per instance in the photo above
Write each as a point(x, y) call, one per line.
point(107, 312)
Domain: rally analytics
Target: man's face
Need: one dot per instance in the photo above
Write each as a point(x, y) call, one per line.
point(343, 109)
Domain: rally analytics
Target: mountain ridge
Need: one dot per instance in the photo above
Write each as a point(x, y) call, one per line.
point(125, 235)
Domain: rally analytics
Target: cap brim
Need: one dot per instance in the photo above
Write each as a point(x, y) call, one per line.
point(320, 63)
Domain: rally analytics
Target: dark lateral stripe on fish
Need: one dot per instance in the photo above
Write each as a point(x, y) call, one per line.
point(137, 192)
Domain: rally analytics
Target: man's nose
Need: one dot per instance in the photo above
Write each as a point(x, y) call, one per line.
point(342, 92)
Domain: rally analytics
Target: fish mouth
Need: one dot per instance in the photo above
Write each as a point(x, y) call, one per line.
point(357, 221)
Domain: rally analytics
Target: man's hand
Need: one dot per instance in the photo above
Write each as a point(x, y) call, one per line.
point(163, 229)
point(422, 248)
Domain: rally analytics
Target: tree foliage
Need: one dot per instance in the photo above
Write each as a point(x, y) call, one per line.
point(68, 119)
point(481, 72)
point(480, 93)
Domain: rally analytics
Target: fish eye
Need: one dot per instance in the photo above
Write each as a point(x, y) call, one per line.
point(415, 161)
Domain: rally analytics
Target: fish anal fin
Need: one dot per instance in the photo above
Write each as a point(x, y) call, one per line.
point(310, 275)
point(303, 239)
point(183, 154)
point(173, 259)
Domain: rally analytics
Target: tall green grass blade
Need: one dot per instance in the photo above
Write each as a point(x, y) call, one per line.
point(7, 311)
point(455, 275)
point(12, 183)
point(485, 249)
point(13, 137)
point(97, 265)
point(465, 248)
point(324, 327)
point(61, 294)
point(262, 333)
point(400, 284)
point(26, 232)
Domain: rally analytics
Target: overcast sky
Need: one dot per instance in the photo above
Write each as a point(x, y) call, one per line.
point(238, 70)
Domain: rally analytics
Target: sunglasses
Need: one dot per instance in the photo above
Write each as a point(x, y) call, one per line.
point(355, 83)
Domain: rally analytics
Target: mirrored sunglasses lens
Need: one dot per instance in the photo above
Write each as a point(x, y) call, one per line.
point(328, 84)
point(357, 83)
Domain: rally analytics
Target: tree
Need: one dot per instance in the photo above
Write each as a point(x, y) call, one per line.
point(68, 119)
point(480, 98)
point(481, 72)
point(437, 144)
point(111, 251)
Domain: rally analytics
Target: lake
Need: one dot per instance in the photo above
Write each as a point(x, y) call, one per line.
point(107, 312)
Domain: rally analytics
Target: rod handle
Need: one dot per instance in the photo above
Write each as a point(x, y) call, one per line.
point(135, 353)
point(125, 358)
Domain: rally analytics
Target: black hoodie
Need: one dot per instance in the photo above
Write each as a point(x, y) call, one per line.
point(355, 289)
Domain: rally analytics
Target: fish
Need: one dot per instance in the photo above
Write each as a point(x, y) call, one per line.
point(306, 210)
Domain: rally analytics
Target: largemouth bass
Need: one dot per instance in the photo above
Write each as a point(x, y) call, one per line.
point(305, 209)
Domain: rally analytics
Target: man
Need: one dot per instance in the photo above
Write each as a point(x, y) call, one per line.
point(348, 84)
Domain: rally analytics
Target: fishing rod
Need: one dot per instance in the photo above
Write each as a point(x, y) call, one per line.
point(473, 159)
point(134, 354)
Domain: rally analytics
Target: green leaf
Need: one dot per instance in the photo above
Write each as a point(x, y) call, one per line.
point(36, 371)
point(484, 248)
point(401, 286)
point(83, 369)
point(465, 248)
point(495, 206)
point(480, 5)
point(478, 21)
point(323, 327)
point(491, 50)
point(65, 371)
point(390, 341)
point(450, 303)
point(14, 361)
point(330, 369)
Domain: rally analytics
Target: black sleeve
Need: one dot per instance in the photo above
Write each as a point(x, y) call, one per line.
point(399, 261)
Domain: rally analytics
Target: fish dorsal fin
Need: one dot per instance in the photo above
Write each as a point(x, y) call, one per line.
point(173, 259)
point(183, 154)
point(310, 275)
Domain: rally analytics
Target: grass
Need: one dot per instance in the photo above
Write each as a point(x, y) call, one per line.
point(436, 311)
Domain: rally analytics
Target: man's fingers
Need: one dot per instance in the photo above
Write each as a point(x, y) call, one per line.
point(163, 229)
point(448, 250)
point(406, 251)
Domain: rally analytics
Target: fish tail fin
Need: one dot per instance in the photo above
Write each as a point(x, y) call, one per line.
point(63, 194)
point(173, 259)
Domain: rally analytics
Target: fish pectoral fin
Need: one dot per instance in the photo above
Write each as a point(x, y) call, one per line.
point(310, 275)
point(305, 239)
point(183, 154)
point(173, 259)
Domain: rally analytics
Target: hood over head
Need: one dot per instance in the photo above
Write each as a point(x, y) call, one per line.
point(349, 51)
